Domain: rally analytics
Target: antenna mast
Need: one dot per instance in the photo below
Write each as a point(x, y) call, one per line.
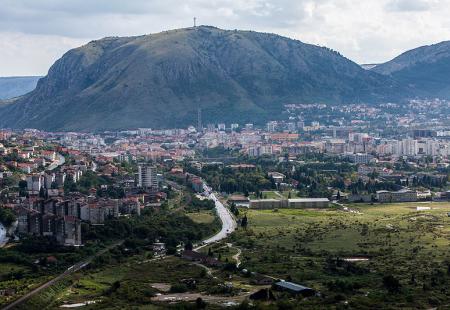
point(195, 22)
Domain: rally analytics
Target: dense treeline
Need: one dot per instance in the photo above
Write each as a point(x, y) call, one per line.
point(193, 203)
point(236, 180)
point(170, 228)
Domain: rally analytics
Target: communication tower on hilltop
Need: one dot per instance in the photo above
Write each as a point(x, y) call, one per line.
point(195, 22)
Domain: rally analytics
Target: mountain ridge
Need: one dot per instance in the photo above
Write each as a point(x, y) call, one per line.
point(425, 69)
point(160, 80)
point(14, 86)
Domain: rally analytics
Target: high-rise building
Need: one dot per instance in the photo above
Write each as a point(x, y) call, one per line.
point(147, 177)
point(271, 126)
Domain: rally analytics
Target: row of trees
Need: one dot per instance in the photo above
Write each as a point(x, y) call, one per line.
point(165, 226)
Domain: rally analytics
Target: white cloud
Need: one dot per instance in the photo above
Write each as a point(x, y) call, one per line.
point(410, 5)
point(22, 54)
point(33, 34)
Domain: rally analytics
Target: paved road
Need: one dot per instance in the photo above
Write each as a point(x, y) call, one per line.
point(228, 222)
point(60, 161)
point(70, 270)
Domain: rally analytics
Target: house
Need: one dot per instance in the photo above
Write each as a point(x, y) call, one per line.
point(159, 247)
point(277, 177)
point(239, 200)
point(201, 258)
point(49, 155)
point(294, 288)
point(26, 167)
point(197, 184)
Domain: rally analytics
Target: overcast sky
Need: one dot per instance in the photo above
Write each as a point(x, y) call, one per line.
point(34, 33)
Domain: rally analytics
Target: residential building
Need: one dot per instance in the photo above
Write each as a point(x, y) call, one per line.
point(404, 195)
point(147, 176)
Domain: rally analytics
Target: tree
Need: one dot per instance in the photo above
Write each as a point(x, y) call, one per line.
point(42, 193)
point(7, 216)
point(22, 184)
point(188, 246)
point(244, 222)
point(199, 303)
point(234, 209)
point(391, 284)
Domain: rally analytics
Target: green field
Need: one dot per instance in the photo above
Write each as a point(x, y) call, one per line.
point(202, 217)
point(268, 195)
point(6, 269)
point(313, 247)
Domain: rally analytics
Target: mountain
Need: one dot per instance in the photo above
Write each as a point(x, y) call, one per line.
point(160, 80)
point(426, 70)
point(15, 86)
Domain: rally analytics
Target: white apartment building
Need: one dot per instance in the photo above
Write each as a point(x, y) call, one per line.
point(272, 126)
point(259, 150)
point(360, 158)
point(147, 176)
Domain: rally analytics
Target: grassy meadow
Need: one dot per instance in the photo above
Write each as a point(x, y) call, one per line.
point(390, 255)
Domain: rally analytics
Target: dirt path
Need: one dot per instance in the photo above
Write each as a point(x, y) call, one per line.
point(236, 256)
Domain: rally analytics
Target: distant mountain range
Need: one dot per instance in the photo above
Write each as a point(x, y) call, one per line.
point(426, 70)
point(14, 86)
point(161, 80)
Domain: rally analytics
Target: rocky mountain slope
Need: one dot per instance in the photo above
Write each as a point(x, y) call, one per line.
point(160, 80)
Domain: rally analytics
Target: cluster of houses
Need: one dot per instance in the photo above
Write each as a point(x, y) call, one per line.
point(195, 182)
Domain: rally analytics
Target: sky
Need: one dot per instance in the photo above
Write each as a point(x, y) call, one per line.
point(35, 33)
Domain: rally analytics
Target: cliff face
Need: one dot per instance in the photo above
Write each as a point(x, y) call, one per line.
point(161, 80)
